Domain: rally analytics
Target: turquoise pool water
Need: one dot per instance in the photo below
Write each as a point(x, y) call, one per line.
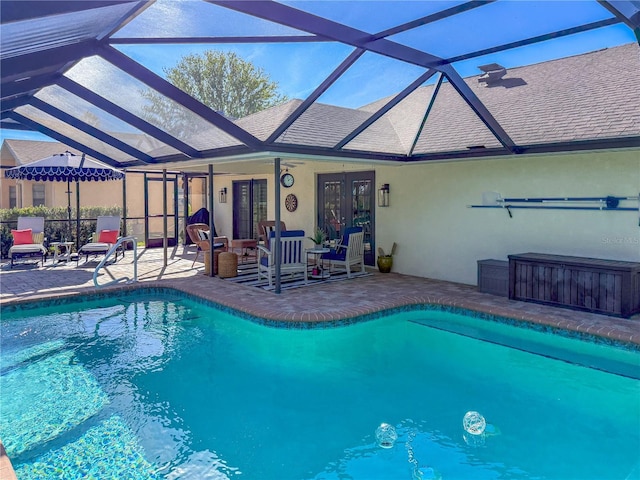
point(147, 388)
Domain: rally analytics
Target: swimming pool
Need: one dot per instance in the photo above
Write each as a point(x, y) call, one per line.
point(149, 387)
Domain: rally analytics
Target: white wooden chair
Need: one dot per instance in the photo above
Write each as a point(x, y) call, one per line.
point(349, 252)
point(293, 256)
point(28, 239)
point(103, 238)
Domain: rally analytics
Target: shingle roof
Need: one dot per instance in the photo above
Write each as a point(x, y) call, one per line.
point(27, 151)
point(583, 97)
point(589, 96)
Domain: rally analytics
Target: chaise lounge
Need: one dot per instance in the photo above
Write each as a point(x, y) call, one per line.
point(28, 239)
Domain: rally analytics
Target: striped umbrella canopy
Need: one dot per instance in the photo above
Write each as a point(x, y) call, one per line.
point(66, 167)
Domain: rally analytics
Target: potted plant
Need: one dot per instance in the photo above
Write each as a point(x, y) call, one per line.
point(385, 262)
point(318, 237)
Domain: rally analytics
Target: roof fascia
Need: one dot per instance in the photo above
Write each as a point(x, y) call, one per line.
point(479, 108)
point(539, 38)
point(327, 82)
point(581, 145)
point(216, 40)
point(385, 108)
point(124, 115)
point(434, 17)
point(64, 139)
point(159, 84)
point(90, 129)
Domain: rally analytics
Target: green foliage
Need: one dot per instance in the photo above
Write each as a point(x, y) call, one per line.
point(319, 236)
point(221, 80)
point(56, 226)
point(393, 251)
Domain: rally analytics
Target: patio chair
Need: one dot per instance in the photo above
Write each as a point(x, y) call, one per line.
point(106, 235)
point(293, 257)
point(265, 228)
point(349, 251)
point(28, 239)
point(199, 235)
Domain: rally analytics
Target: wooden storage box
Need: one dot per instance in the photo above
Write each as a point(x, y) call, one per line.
point(493, 277)
point(611, 287)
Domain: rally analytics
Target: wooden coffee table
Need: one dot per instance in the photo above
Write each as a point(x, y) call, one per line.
point(248, 248)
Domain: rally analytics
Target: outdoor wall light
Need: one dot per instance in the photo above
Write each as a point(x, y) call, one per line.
point(223, 195)
point(383, 195)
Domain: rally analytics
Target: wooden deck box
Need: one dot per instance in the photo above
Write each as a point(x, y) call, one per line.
point(493, 277)
point(610, 287)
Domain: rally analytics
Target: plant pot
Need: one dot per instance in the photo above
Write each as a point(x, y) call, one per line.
point(385, 264)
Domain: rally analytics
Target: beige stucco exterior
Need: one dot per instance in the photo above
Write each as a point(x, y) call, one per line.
point(439, 236)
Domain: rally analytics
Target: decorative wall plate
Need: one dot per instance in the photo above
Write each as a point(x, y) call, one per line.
point(291, 202)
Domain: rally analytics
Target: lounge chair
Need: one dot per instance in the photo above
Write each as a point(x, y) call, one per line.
point(106, 235)
point(349, 251)
point(293, 257)
point(199, 234)
point(28, 239)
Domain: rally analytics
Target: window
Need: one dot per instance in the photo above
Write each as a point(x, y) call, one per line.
point(38, 195)
point(13, 197)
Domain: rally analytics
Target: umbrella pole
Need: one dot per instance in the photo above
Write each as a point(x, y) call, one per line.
point(77, 215)
point(68, 209)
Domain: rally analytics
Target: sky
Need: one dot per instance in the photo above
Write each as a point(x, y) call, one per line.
point(299, 68)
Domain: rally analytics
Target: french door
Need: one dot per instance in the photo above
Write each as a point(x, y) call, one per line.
point(348, 199)
point(249, 207)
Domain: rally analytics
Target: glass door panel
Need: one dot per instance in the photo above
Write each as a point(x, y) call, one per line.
point(345, 200)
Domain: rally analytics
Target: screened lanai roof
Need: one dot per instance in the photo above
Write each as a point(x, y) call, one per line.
point(398, 81)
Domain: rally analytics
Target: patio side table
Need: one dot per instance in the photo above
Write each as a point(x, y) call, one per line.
point(318, 271)
point(244, 244)
point(61, 251)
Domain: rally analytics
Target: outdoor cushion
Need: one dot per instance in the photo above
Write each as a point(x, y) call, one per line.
point(203, 234)
point(37, 237)
point(289, 233)
point(95, 247)
point(22, 237)
point(108, 236)
point(339, 254)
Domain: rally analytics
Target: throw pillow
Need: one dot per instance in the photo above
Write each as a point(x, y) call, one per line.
point(22, 237)
point(203, 234)
point(108, 236)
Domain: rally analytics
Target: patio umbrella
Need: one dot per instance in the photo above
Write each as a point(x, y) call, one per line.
point(65, 167)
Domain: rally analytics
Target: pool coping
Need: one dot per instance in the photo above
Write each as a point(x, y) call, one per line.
point(283, 311)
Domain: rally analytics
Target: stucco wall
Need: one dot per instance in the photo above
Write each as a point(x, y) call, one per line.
point(438, 236)
point(304, 189)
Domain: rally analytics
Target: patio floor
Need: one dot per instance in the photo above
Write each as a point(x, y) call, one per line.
point(320, 302)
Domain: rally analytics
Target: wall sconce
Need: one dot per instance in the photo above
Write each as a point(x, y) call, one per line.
point(223, 195)
point(383, 195)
